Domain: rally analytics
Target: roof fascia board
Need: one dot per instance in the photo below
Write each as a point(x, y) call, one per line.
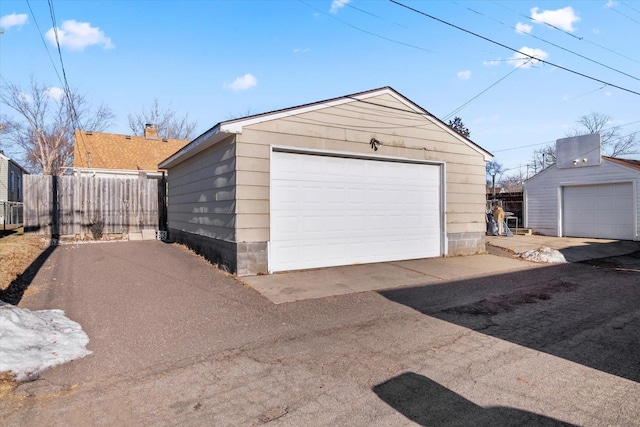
point(622, 164)
point(236, 126)
point(204, 141)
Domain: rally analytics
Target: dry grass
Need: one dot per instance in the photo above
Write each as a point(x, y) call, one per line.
point(17, 252)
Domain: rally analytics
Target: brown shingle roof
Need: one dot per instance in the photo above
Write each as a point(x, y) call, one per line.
point(633, 164)
point(113, 151)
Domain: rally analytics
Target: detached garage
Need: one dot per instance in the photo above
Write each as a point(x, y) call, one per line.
point(363, 178)
point(584, 194)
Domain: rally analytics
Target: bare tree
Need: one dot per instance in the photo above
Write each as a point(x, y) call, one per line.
point(543, 158)
point(494, 169)
point(167, 121)
point(512, 183)
point(613, 143)
point(46, 119)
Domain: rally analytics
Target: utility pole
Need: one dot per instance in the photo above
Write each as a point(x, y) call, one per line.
point(493, 185)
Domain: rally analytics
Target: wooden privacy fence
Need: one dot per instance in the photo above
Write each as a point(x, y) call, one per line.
point(68, 205)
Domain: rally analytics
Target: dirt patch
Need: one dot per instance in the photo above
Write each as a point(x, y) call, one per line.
point(509, 302)
point(17, 253)
point(7, 385)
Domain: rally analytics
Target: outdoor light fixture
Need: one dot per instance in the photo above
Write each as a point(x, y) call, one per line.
point(375, 144)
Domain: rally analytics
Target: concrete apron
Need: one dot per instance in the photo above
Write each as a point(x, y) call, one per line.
point(325, 282)
point(574, 249)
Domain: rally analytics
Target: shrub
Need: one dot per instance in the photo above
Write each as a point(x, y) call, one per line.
point(97, 227)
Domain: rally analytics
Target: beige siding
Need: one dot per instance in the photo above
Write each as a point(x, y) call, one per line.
point(202, 193)
point(349, 128)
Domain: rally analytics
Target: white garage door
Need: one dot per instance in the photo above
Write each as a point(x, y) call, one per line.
point(329, 211)
point(601, 211)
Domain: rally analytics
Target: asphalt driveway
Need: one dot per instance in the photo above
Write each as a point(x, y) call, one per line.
point(176, 341)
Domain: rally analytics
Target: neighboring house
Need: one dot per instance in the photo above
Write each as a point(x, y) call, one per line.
point(585, 194)
point(362, 178)
point(122, 156)
point(11, 183)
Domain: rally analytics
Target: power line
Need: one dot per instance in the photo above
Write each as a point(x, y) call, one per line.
point(512, 49)
point(620, 13)
point(457, 110)
point(371, 14)
point(555, 45)
point(584, 94)
point(44, 42)
point(630, 7)
point(366, 31)
point(67, 90)
point(551, 142)
point(567, 33)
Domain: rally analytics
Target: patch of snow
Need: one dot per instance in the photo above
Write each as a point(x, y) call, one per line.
point(32, 341)
point(542, 254)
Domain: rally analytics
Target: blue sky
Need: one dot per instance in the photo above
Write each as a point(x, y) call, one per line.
point(221, 59)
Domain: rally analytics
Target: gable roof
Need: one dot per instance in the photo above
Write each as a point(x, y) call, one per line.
point(235, 126)
point(633, 164)
point(13, 162)
point(114, 151)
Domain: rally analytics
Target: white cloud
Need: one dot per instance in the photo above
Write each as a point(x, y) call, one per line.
point(25, 97)
point(561, 18)
point(14, 20)
point(523, 59)
point(298, 50)
point(491, 63)
point(55, 93)
point(523, 28)
point(79, 35)
point(611, 3)
point(337, 5)
point(243, 83)
point(464, 75)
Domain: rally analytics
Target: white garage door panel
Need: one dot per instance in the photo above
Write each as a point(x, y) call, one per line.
point(328, 211)
point(600, 211)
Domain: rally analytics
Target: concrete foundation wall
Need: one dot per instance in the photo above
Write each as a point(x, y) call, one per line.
point(219, 252)
point(466, 243)
point(252, 258)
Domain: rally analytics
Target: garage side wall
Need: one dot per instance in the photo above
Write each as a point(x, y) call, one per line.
point(349, 128)
point(202, 204)
point(543, 192)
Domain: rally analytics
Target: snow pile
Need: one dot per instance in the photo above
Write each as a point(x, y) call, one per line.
point(32, 341)
point(542, 254)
